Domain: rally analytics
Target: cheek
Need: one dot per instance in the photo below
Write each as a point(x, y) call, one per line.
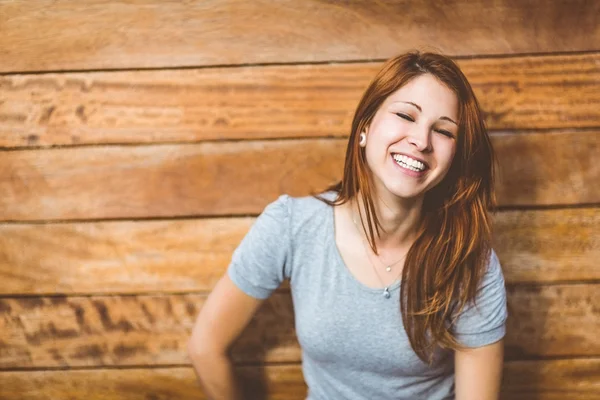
point(451, 155)
point(386, 128)
point(446, 153)
point(377, 142)
point(371, 155)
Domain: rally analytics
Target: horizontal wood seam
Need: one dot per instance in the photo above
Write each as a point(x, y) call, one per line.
point(541, 207)
point(247, 364)
point(279, 291)
point(295, 63)
point(225, 216)
point(520, 131)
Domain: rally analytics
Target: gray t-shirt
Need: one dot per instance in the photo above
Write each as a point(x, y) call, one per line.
point(353, 342)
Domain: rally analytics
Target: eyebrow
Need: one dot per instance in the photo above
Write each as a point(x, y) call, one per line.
point(421, 110)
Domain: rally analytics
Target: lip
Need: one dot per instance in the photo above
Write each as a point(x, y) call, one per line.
point(407, 171)
point(414, 158)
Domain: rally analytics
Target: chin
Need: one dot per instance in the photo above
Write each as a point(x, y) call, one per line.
point(405, 193)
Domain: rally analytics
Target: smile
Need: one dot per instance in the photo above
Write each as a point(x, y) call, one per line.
point(409, 163)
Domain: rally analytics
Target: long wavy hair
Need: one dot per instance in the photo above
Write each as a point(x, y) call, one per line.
point(446, 262)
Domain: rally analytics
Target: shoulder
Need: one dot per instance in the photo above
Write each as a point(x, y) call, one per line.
point(309, 204)
point(300, 205)
point(298, 210)
point(294, 213)
point(309, 211)
point(493, 272)
point(482, 321)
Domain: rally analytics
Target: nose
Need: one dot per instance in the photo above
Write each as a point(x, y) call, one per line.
point(420, 137)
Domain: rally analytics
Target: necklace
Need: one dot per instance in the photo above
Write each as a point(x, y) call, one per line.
point(386, 290)
point(388, 267)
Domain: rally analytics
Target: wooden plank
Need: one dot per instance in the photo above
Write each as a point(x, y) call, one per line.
point(533, 171)
point(552, 380)
point(561, 91)
point(241, 178)
point(128, 330)
point(117, 257)
point(41, 332)
point(545, 246)
point(163, 181)
point(534, 246)
point(553, 321)
point(107, 34)
point(574, 379)
point(280, 382)
point(536, 92)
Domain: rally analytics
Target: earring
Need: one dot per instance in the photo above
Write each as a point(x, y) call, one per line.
point(363, 140)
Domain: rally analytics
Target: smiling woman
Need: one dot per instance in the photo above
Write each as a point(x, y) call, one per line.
point(407, 127)
point(397, 292)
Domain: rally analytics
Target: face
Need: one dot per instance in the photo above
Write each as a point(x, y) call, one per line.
point(411, 140)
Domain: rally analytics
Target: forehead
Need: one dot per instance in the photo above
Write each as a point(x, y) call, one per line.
point(433, 96)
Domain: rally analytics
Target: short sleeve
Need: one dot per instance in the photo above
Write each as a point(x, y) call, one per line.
point(258, 265)
point(483, 322)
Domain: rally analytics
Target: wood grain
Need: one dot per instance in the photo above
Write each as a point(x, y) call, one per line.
point(534, 246)
point(117, 257)
point(534, 171)
point(561, 91)
point(162, 181)
point(128, 283)
point(274, 382)
point(105, 34)
point(549, 321)
point(241, 178)
point(41, 332)
point(576, 379)
point(548, 246)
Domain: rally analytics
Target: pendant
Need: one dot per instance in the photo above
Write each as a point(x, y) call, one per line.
point(388, 268)
point(386, 293)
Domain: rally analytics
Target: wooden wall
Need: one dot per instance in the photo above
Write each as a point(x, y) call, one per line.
point(138, 139)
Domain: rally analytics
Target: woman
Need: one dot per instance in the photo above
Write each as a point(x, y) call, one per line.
point(397, 293)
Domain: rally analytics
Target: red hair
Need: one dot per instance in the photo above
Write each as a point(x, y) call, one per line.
point(446, 262)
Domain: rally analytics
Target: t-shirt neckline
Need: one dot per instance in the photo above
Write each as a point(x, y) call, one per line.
point(339, 261)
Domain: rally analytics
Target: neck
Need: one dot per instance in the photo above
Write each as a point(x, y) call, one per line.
point(399, 218)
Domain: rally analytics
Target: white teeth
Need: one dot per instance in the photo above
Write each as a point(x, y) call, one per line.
point(409, 163)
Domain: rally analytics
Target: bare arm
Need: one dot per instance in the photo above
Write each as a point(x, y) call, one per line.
point(225, 313)
point(478, 372)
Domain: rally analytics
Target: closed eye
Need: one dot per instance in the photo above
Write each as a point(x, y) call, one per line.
point(406, 117)
point(411, 119)
point(445, 133)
